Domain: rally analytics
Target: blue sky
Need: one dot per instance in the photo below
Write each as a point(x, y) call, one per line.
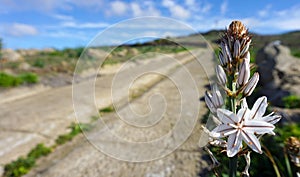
point(73, 23)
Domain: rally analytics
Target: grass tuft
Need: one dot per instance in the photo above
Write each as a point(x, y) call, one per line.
point(22, 165)
point(291, 101)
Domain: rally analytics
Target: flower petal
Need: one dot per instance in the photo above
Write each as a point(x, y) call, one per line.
point(222, 130)
point(227, 117)
point(244, 103)
point(259, 108)
point(252, 141)
point(234, 144)
point(243, 115)
point(258, 127)
point(271, 119)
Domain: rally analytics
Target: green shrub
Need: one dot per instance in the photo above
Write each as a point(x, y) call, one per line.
point(38, 151)
point(19, 167)
point(75, 129)
point(40, 63)
point(107, 109)
point(292, 101)
point(7, 80)
point(30, 78)
point(22, 165)
point(296, 53)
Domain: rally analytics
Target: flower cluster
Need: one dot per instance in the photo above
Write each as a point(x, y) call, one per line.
point(233, 75)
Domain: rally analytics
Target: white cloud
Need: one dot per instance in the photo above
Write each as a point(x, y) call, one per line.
point(66, 34)
point(180, 12)
point(63, 17)
point(224, 7)
point(84, 25)
point(189, 2)
point(265, 12)
point(136, 9)
point(206, 8)
point(19, 29)
point(176, 10)
point(118, 8)
point(147, 9)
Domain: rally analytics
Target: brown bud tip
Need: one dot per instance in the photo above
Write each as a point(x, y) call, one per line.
point(237, 29)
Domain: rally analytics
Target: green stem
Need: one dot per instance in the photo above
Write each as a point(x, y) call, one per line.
point(269, 155)
point(233, 166)
point(232, 99)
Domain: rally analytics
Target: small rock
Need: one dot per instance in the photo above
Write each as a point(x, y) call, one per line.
point(24, 66)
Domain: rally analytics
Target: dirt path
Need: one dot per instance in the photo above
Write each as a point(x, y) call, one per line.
point(159, 139)
point(42, 117)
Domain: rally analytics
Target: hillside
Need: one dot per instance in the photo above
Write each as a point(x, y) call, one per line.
point(259, 41)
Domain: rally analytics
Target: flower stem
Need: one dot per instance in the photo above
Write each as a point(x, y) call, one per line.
point(233, 166)
point(232, 99)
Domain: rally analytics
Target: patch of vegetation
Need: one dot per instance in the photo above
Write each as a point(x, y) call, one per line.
point(29, 78)
point(295, 53)
point(75, 130)
point(22, 165)
point(39, 62)
point(107, 109)
point(291, 101)
point(129, 52)
point(7, 80)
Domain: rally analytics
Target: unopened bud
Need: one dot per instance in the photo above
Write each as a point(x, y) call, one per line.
point(221, 75)
point(214, 100)
point(245, 48)
point(236, 51)
point(251, 84)
point(226, 53)
point(222, 60)
point(244, 73)
point(247, 57)
point(217, 97)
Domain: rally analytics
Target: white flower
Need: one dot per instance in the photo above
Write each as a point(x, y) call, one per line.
point(240, 128)
point(259, 109)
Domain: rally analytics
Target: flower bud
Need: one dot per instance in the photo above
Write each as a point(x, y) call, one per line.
point(222, 60)
point(226, 53)
point(217, 97)
point(236, 49)
point(214, 100)
point(247, 57)
point(244, 73)
point(221, 75)
point(209, 102)
point(251, 84)
point(245, 48)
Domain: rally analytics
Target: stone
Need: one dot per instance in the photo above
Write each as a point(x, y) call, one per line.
point(11, 55)
point(24, 66)
point(279, 72)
